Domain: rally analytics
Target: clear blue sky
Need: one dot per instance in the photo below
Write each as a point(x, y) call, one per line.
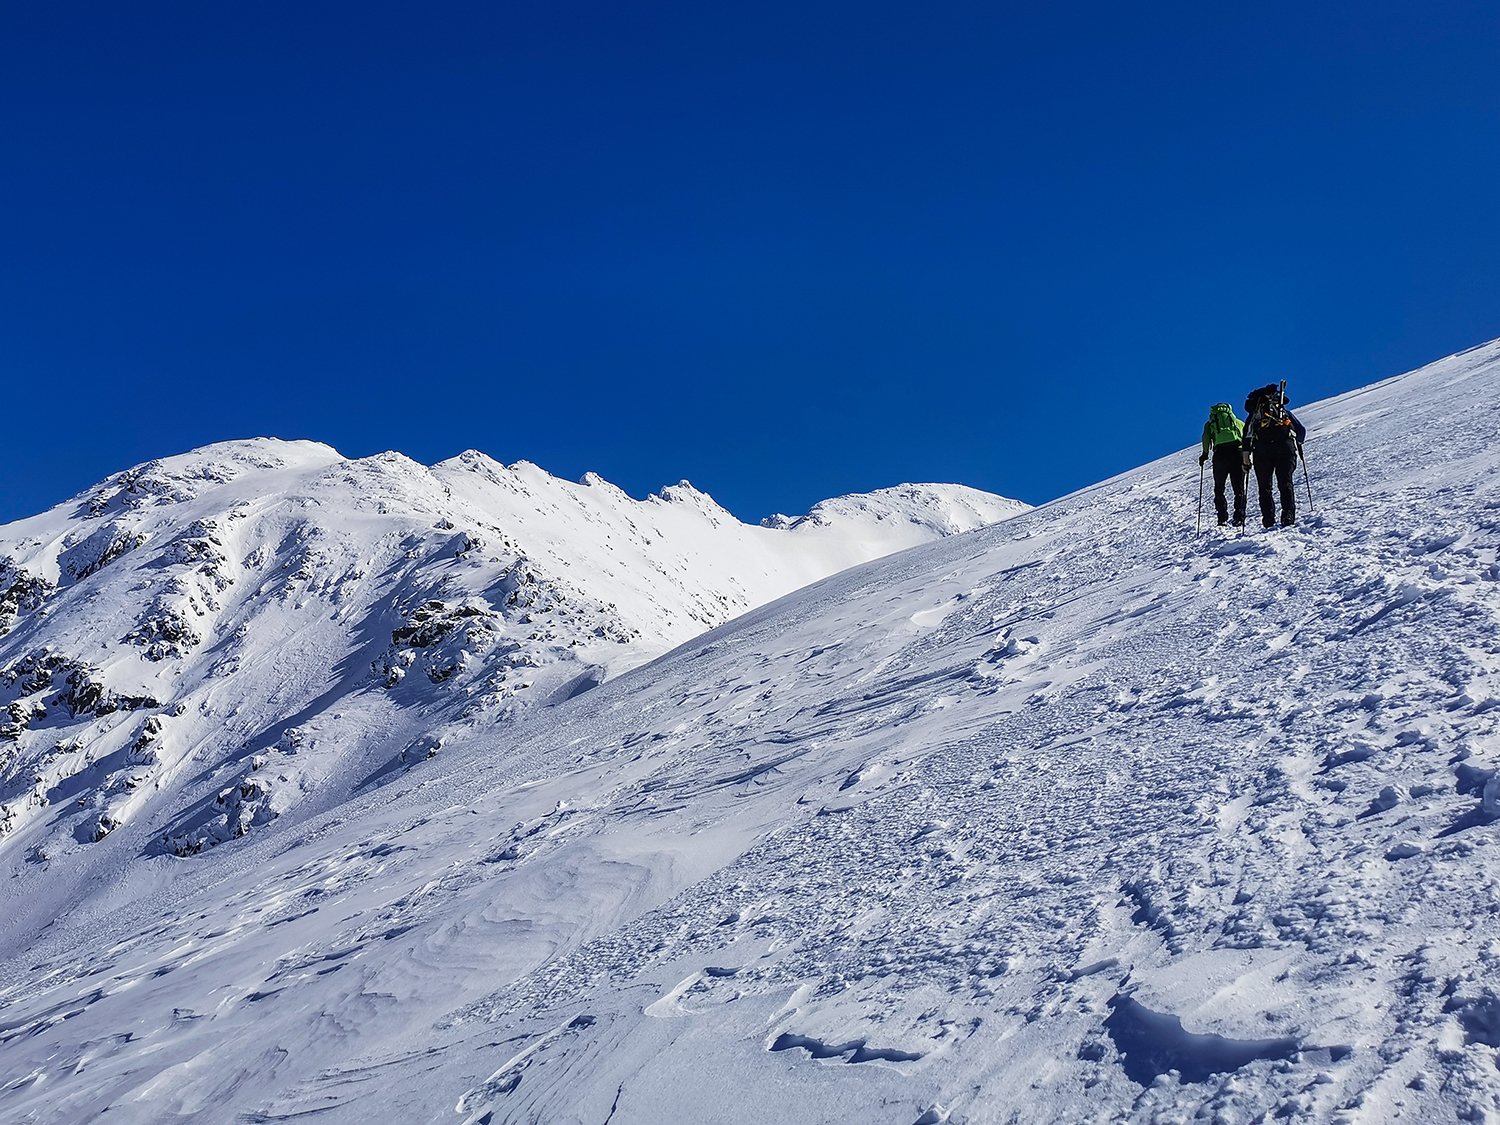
point(785, 250)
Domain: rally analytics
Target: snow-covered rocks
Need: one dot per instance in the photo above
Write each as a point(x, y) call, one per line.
point(20, 593)
point(86, 551)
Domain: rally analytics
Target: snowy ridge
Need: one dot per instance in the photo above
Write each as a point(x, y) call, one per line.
point(1079, 817)
point(220, 636)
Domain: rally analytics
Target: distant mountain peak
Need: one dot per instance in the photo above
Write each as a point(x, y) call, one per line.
point(248, 586)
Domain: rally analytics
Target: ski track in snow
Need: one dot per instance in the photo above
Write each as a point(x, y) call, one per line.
point(1080, 817)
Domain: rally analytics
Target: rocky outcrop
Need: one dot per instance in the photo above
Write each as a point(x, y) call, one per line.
point(21, 593)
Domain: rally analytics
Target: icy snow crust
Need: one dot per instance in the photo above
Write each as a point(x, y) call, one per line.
point(1078, 817)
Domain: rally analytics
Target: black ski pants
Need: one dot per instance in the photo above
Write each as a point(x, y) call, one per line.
point(1229, 465)
point(1279, 460)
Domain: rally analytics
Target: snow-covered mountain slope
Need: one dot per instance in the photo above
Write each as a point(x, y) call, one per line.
point(1080, 817)
point(199, 644)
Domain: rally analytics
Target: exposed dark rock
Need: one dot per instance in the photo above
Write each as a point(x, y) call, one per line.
point(164, 631)
point(96, 551)
point(20, 593)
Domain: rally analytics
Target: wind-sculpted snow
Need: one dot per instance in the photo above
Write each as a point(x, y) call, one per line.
point(1079, 817)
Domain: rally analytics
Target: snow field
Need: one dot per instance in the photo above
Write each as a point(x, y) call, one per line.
point(1080, 817)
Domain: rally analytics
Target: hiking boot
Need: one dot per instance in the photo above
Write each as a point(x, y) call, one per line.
point(1267, 524)
point(1222, 521)
point(1289, 521)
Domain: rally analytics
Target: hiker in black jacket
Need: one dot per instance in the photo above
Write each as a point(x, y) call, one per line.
point(1273, 438)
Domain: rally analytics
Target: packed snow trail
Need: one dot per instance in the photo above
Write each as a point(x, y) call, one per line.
point(1081, 817)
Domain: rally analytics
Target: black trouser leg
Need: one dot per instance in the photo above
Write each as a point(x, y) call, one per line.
point(1286, 484)
point(1277, 461)
point(1229, 465)
point(1263, 470)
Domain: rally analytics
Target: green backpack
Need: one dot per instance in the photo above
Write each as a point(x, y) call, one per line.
point(1223, 426)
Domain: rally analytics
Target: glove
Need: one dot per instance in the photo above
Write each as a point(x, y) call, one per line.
point(1246, 457)
point(1202, 459)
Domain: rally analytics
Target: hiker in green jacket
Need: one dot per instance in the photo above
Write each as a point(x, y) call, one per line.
point(1222, 434)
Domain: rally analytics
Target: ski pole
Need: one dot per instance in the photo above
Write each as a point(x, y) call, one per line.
point(1306, 479)
point(1200, 498)
point(1245, 514)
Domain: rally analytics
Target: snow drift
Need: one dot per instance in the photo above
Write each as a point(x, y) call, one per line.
point(1080, 816)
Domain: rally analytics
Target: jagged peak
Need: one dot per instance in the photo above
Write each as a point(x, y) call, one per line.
point(593, 480)
point(386, 461)
point(679, 492)
point(684, 495)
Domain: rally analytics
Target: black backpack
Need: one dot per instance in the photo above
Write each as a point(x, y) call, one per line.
point(1266, 409)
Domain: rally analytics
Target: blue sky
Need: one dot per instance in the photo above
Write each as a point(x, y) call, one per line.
point(786, 251)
